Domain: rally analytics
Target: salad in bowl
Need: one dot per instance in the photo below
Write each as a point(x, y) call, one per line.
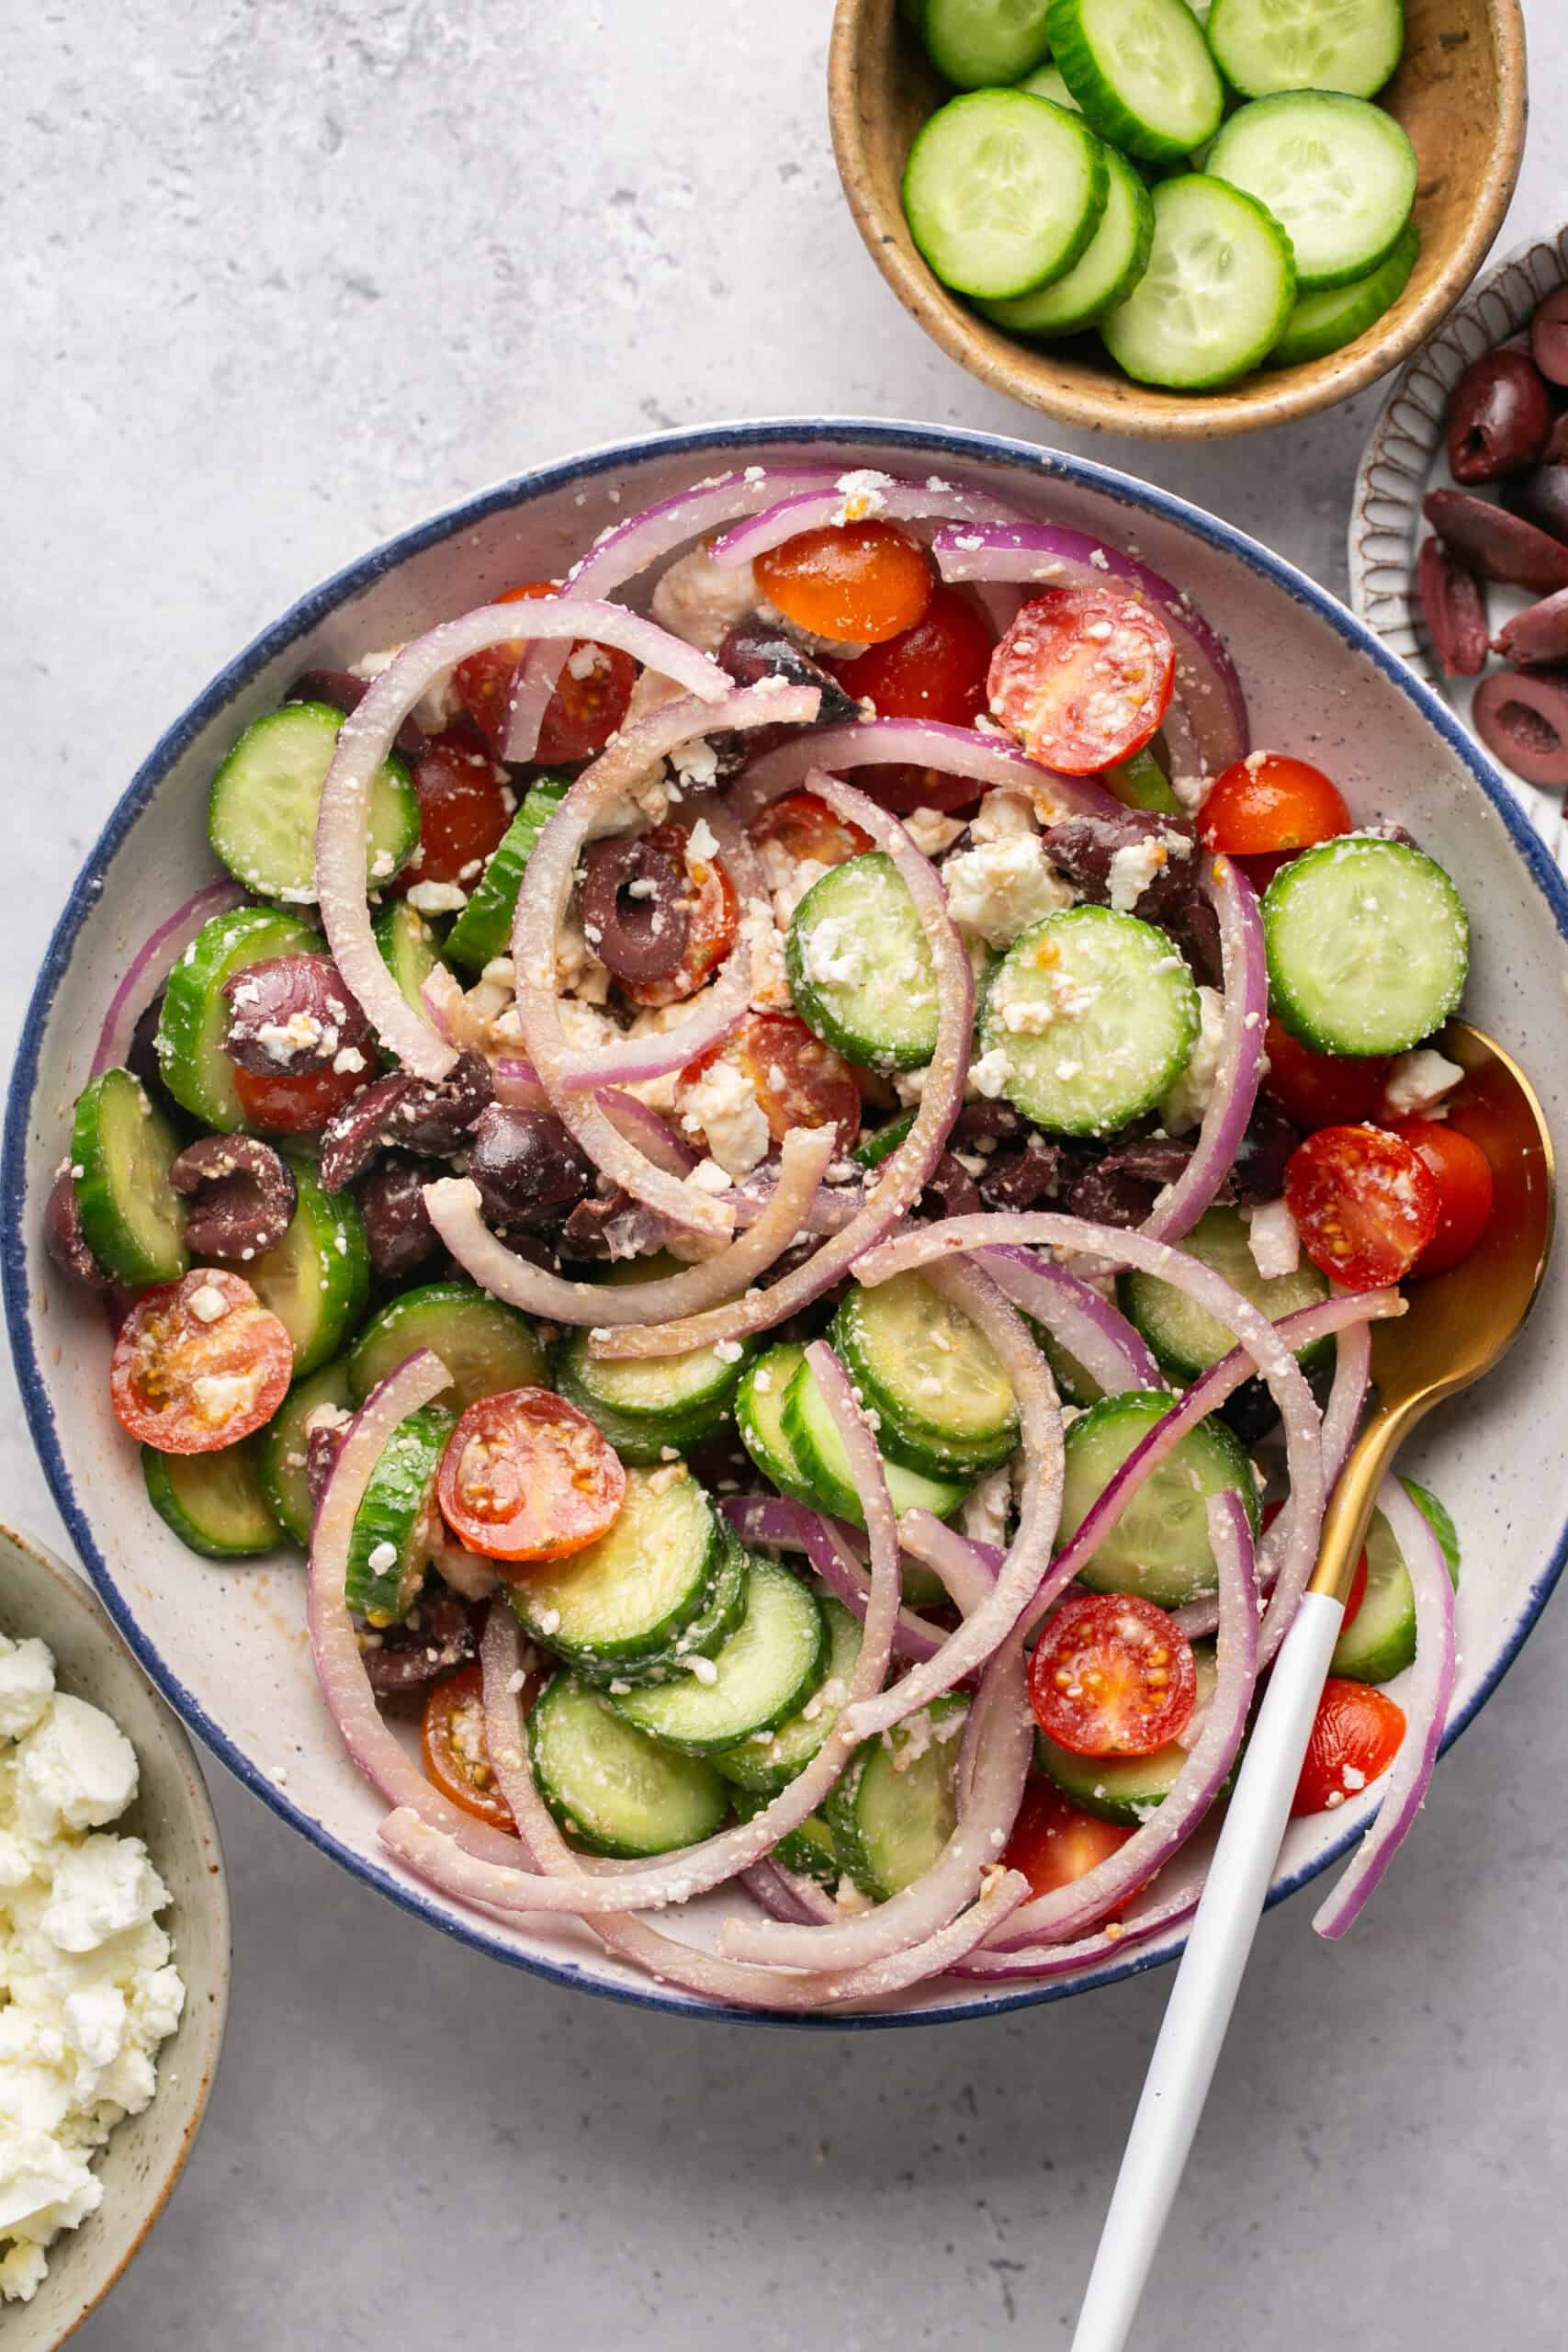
point(777, 1155)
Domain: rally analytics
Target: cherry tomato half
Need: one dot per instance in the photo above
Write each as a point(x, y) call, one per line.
point(1365, 1202)
point(855, 584)
point(452, 1743)
point(526, 1477)
point(803, 826)
point(1463, 1176)
point(1354, 1740)
point(281, 1105)
point(1269, 802)
point(936, 669)
point(1082, 678)
point(1112, 1676)
point(582, 713)
point(1054, 1841)
point(715, 918)
point(198, 1363)
point(799, 1080)
point(463, 812)
point(1357, 1591)
point(1320, 1090)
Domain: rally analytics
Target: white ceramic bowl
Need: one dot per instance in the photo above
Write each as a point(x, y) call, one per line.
point(174, 1814)
point(228, 1645)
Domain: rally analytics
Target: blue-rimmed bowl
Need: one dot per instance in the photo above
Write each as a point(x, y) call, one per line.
point(227, 1645)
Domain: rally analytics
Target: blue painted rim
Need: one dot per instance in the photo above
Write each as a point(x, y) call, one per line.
point(983, 448)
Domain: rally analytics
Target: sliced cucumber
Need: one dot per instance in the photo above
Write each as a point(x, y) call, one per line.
point(1185, 1337)
point(1266, 45)
point(1338, 174)
point(895, 1806)
point(1369, 946)
point(121, 1150)
point(977, 44)
point(283, 1452)
point(1003, 191)
point(725, 1603)
point(486, 1345)
point(214, 1503)
point(759, 1419)
point(859, 966)
point(1105, 273)
point(483, 930)
point(1095, 1016)
point(408, 948)
point(811, 1850)
point(1335, 315)
point(649, 1407)
point(945, 1403)
point(1128, 1788)
point(1382, 1642)
point(261, 816)
point(612, 1790)
point(768, 1760)
point(883, 1142)
point(194, 1019)
point(317, 1279)
point(1142, 73)
point(1160, 1547)
point(820, 1450)
point(1046, 82)
point(764, 1673)
point(1217, 292)
point(1141, 782)
point(388, 1549)
point(625, 1600)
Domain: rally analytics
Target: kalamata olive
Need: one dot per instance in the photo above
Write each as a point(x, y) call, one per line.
point(1522, 716)
point(1085, 847)
point(1196, 931)
point(1499, 416)
point(64, 1237)
point(141, 1055)
point(1258, 1175)
point(437, 1636)
point(613, 1227)
point(345, 693)
point(1454, 610)
point(1022, 1180)
point(1556, 450)
point(1121, 1188)
point(1542, 497)
point(1539, 634)
point(528, 1168)
point(982, 1126)
point(635, 911)
point(1250, 1410)
point(1498, 545)
point(292, 1014)
point(753, 650)
point(241, 1195)
point(949, 1191)
point(322, 1446)
point(1549, 337)
point(415, 1113)
point(398, 1231)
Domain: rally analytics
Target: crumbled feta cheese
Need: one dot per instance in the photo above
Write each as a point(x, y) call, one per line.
point(700, 841)
point(788, 878)
point(834, 957)
point(208, 1304)
point(383, 1556)
point(729, 1351)
point(1002, 816)
point(1133, 869)
point(721, 1107)
point(990, 1073)
point(26, 1685)
point(1417, 1082)
point(998, 889)
point(349, 1060)
point(1184, 1106)
point(931, 832)
point(863, 493)
point(438, 898)
point(708, 1176)
point(694, 600)
point(1274, 1240)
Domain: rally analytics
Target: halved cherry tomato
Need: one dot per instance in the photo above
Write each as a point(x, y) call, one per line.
point(715, 918)
point(1082, 678)
point(1269, 804)
point(297, 1106)
point(1112, 1676)
point(799, 1080)
point(1054, 1841)
point(803, 826)
point(855, 584)
point(1463, 1176)
point(526, 1477)
point(198, 1363)
point(1366, 1204)
point(1357, 1591)
point(582, 713)
point(463, 813)
point(456, 1757)
point(1354, 1740)
point(1320, 1090)
point(936, 669)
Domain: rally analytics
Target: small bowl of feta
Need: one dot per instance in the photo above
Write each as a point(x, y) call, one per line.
point(114, 1951)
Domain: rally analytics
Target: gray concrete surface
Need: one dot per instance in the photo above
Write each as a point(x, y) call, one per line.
point(275, 281)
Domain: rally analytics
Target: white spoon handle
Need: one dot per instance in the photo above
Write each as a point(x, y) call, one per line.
point(1206, 1984)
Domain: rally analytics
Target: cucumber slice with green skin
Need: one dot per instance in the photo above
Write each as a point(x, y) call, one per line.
point(933, 1380)
point(722, 1613)
point(766, 1761)
point(283, 1447)
point(1003, 191)
point(650, 1407)
point(820, 1450)
point(1104, 274)
point(1382, 1642)
point(810, 1850)
point(194, 1019)
point(317, 1279)
point(483, 930)
point(388, 1549)
point(408, 948)
point(1369, 946)
point(121, 1149)
point(486, 1345)
point(626, 1598)
point(1046, 82)
point(764, 1673)
point(214, 1503)
point(1069, 1375)
point(1338, 174)
point(1216, 295)
point(872, 1149)
point(1141, 782)
point(895, 1808)
point(1142, 73)
point(1266, 45)
point(977, 44)
point(1335, 315)
point(1095, 1016)
point(1160, 1547)
point(1185, 1338)
point(612, 1790)
point(859, 968)
point(260, 815)
point(1127, 1789)
point(758, 1421)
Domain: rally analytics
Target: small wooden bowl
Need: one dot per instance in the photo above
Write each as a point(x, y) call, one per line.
point(1460, 92)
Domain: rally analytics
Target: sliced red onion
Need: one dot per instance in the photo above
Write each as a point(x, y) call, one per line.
point(984, 760)
point(829, 1551)
point(1112, 1350)
point(1427, 1709)
point(783, 1894)
point(151, 967)
point(968, 1569)
point(1037, 1962)
point(1240, 1062)
point(1274, 1238)
point(832, 1548)
point(1352, 1371)
point(861, 496)
point(1049, 555)
point(716, 1014)
point(517, 1085)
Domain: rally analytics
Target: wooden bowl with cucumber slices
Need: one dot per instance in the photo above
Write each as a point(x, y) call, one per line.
point(1057, 240)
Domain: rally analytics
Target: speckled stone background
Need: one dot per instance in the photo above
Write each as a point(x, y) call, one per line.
point(276, 281)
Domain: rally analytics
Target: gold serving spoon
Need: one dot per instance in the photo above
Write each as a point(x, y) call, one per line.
point(1458, 1326)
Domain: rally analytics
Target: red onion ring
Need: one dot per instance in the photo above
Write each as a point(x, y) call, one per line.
point(1240, 1063)
point(829, 1551)
point(785, 1895)
point(1112, 1350)
point(517, 1086)
point(920, 742)
point(151, 967)
point(1352, 1372)
point(1035, 1962)
point(884, 498)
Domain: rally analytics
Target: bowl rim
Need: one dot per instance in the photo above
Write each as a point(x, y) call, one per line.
point(951, 444)
point(81, 1594)
point(1269, 398)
